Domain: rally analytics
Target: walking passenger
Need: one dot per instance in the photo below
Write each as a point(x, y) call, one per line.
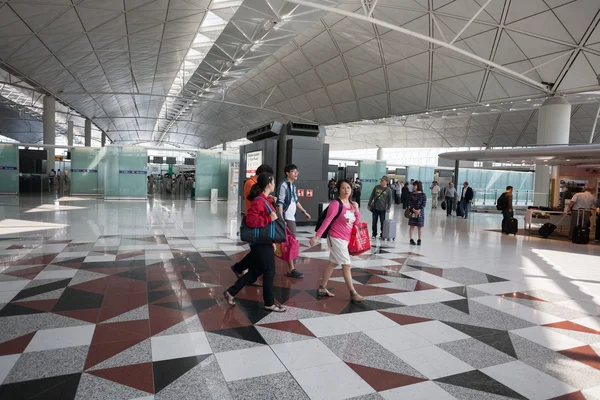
point(262, 256)
point(380, 202)
point(435, 192)
point(505, 203)
point(405, 196)
point(338, 238)
point(449, 195)
point(418, 201)
point(466, 198)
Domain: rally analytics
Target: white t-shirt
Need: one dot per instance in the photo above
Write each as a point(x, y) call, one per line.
point(435, 190)
point(290, 213)
point(350, 217)
point(584, 201)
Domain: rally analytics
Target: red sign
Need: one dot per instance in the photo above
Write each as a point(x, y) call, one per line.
point(300, 192)
point(308, 192)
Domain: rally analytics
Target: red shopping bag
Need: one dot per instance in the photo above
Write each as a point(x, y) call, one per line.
point(359, 239)
point(288, 250)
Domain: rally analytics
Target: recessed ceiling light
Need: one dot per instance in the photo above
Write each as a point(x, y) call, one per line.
point(487, 105)
point(528, 100)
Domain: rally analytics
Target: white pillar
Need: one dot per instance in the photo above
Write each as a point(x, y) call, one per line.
point(554, 123)
point(70, 133)
point(88, 133)
point(379, 154)
point(49, 126)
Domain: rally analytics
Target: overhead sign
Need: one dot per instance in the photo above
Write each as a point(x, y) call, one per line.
point(8, 168)
point(84, 170)
point(300, 192)
point(309, 193)
point(254, 160)
point(132, 172)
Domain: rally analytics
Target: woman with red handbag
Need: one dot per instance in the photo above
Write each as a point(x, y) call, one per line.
point(262, 255)
point(338, 230)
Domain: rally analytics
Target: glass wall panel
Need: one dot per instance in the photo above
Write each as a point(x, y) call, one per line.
point(208, 172)
point(132, 172)
point(84, 170)
point(370, 172)
point(111, 175)
point(9, 169)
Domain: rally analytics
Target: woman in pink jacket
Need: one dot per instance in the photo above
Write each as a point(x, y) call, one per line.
point(340, 229)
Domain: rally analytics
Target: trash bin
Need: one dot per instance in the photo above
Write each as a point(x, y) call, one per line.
point(214, 194)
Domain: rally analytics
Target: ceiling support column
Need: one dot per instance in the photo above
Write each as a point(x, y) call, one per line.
point(70, 133)
point(88, 133)
point(49, 126)
point(554, 122)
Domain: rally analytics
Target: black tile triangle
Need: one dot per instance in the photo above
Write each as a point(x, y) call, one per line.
point(11, 310)
point(203, 304)
point(282, 294)
point(367, 305)
point(156, 284)
point(494, 279)
point(177, 306)
point(73, 299)
point(254, 310)
point(472, 330)
point(168, 371)
point(460, 305)
point(501, 342)
point(48, 287)
point(362, 279)
point(459, 290)
point(477, 380)
point(139, 274)
point(154, 296)
point(36, 389)
point(248, 333)
point(65, 390)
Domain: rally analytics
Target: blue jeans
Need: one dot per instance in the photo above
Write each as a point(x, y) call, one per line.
point(449, 205)
point(378, 214)
point(465, 207)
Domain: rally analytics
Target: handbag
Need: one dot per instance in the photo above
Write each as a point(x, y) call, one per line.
point(288, 250)
point(409, 213)
point(360, 241)
point(443, 205)
point(274, 232)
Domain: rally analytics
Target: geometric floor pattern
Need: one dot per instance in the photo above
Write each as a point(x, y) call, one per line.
point(142, 317)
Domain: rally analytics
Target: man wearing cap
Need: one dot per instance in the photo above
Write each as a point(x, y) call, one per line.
point(380, 202)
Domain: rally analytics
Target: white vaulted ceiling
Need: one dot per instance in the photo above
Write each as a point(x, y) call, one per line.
point(202, 72)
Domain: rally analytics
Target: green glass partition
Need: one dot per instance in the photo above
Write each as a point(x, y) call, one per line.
point(370, 172)
point(208, 174)
point(9, 169)
point(125, 173)
point(85, 162)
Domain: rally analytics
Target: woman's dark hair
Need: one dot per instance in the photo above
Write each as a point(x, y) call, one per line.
point(406, 185)
point(418, 185)
point(339, 184)
point(262, 181)
point(264, 168)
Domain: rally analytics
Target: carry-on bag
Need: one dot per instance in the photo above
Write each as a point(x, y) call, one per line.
point(581, 234)
point(359, 239)
point(272, 233)
point(444, 205)
point(548, 228)
point(398, 199)
point(389, 230)
point(512, 227)
point(290, 249)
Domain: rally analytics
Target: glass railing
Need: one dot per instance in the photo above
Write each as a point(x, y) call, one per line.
point(487, 198)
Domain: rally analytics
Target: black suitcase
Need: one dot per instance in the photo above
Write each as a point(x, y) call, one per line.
point(459, 212)
point(547, 229)
point(398, 199)
point(581, 234)
point(512, 226)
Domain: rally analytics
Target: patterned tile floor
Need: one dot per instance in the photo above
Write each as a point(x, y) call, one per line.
point(103, 300)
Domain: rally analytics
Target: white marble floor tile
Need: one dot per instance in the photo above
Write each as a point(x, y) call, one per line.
point(179, 346)
point(335, 381)
point(419, 391)
point(433, 362)
point(8, 295)
point(12, 286)
point(425, 297)
point(6, 364)
point(579, 305)
point(397, 338)
point(432, 279)
point(304, 354)
point(501, 287)
point(59, 338)
point(369, 320)
point(63, 274)
point(548, 338)
point(249, 363)
point(373, 263)
point(436, 332)
point(104, 258)
point(589, 322)
point(518, 310)
point(329, 326)
point(528, 381)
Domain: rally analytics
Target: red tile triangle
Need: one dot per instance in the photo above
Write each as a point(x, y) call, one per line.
point(88, 315)
point(138, 327)
point(584, 354)
point(404, 319)
point(28, 273)
point(519, 295)
point(571, 396)
point(376, 280)
point(572, 326)
point(120, 331)
point(137, 376)
point(97, 286)
point(293, 326)
point(381, 380)
point(43, 259)
point(16, 346)
point(42, 305)
point(104, 351)
point(158, 325)
point(237, 257)
point(423, 286)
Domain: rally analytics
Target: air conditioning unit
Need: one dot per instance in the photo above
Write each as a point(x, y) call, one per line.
point(264, 132)
point(304, 129)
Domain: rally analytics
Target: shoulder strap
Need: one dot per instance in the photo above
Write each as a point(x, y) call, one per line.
point(340, 210)
point(267, 203)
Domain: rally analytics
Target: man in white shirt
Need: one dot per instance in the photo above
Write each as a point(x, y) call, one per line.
point(435, 192)
point(581, 201)
point(449, 195)
point(411, 186)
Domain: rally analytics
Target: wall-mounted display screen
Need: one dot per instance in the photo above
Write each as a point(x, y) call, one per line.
point(171, 160)
point(189, 161)
point(253, 161)
point(157, 160)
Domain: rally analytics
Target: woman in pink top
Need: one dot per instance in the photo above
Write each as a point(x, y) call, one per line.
point(340, 229)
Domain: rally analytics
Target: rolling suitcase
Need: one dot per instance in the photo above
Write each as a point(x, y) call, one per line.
point(512, 226)
point(581, 234)
point(398, 199)
point(389, 230)
point(548, 228)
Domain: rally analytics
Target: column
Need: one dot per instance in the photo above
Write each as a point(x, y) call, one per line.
point(103, 140)
point(224, 146)
point(49, 126)
point(70, 133)
point(281, 154)
point(456, 168)
point(88, 133)
point(379, 154)
point(554, 122)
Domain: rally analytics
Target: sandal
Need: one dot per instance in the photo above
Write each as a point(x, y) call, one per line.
point(355, 297)
point(229, 298)
point(323, 292)
point(275, 308)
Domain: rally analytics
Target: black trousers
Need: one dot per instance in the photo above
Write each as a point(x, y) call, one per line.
point(357, 197)
point(449, 205)
point(506, 216)
point(261, 261)
point(378, 214)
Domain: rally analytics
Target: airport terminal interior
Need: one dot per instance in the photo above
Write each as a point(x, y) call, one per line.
point(128, 132)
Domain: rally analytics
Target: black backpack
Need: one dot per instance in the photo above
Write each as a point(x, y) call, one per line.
point(324, 215)
point(501, 202)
